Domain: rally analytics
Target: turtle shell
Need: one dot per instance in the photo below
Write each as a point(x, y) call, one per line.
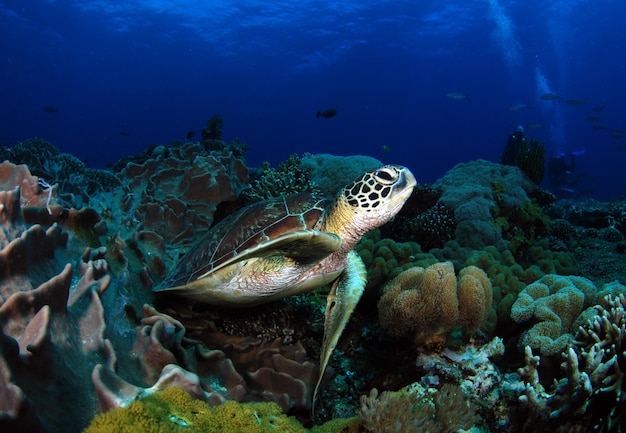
point(241, 234)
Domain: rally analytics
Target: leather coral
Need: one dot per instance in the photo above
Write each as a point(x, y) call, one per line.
point(431, 302)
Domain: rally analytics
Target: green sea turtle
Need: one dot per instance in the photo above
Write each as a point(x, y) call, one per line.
point(291, 245)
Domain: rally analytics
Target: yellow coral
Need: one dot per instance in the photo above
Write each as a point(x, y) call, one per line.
point(431, 302)
point(173, 408)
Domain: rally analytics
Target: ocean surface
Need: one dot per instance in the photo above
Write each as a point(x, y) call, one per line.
point(427, 84)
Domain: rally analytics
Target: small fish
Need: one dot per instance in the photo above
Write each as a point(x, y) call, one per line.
point(190, 134)
point(124, 133)
point(520, 107)
point(616, 133)
point(598, 127)
point(535, 125)
point(458, 96)
point(593, 118)
point(385, 148)
point(574, 101)
point(326, 114)
point(50, 109)
point(599, 108)
point(621, 148)
point(551, 97)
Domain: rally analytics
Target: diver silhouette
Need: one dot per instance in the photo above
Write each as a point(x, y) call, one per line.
point(563, 181)
point(515, 143)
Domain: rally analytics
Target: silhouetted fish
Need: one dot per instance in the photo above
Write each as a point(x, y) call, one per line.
point(190, 134)
point(574, 101)
point(50, 109)
point(327, 114)
point(520, 107)
point(599, 108)
point(593, 118)
point(458, 96)
point(124, 134)
point(598, 127)
point(550, 97)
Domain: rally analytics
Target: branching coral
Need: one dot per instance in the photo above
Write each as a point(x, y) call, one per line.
point(591, 394)
point(431, 302)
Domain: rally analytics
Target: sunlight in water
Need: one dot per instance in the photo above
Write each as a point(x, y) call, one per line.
point(504, 35)
point(550, 110)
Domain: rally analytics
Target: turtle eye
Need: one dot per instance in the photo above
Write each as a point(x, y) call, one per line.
point(385, 175)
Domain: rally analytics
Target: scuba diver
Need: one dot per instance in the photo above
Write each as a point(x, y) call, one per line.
point(514, 144)
point(561, 174)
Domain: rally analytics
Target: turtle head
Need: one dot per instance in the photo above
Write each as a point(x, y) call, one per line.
point(377, 196)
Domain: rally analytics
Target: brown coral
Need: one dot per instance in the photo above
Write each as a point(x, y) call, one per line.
point(431, 302)
point(551, 305)
point(446, 411)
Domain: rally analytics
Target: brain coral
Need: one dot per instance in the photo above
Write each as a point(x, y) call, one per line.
point(431, 302)
point(552, 304)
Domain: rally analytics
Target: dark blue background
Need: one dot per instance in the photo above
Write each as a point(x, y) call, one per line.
point(155, 70)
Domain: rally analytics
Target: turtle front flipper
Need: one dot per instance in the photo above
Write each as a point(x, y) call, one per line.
point(342, 299)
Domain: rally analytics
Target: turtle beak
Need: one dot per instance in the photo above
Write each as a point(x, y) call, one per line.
point(404, 187)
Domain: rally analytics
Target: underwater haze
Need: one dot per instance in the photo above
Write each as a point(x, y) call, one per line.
point(427, 84)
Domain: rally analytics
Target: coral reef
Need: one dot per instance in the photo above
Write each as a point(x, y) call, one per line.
point(330, 172)
point(57, 297)
point(385, 258)
point(173, 408)
point(52, 322)
point(590, 395)
point(468, 189)
point(552, 304)
point(423, 220)
point(288, 178)
point(81, 333)
point(587, 225)
point(431, 303)
point(446, 411)
point(73, 183)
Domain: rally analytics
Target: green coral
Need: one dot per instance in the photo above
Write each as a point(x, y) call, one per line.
point(384, 258)
point(289, 177)
point(98, 179)
point(521, 225)
point(173, 409)
point(509, 278)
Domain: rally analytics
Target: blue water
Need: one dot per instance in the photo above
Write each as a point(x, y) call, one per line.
point(123, 75)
